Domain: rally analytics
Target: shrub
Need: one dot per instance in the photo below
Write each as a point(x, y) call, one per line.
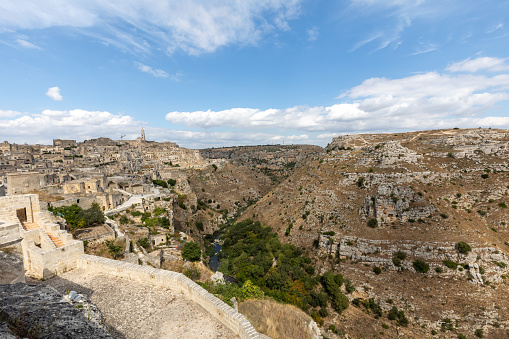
point(485, 176)
point(323, 312)
point(192, 273)
point(349, 286)
point(115, 250)
point(399, 316)
point(438, 269)
point(372, 223)
point(400, 255)
point(502, 205)
point(420, 266)
point(463, 247)
point(377, 270)
point(479, 333)
point(443, 215)
point(191, 251)
point(481, 213)
point(161, 183)
point(450, 264)
point(143, 242)
point(396, 261)
point(199, 226)
point(172, 182)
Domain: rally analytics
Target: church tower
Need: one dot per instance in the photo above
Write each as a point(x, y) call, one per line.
point(142, 134)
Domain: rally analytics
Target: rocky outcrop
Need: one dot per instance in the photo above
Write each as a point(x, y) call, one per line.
point(395, 203)
point(39, 311)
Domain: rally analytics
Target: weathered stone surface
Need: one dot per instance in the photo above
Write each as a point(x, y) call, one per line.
point(41, 309)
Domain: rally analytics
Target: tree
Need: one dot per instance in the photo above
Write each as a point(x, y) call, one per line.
point(93, 215)
point(191, 251)
point(115, 250)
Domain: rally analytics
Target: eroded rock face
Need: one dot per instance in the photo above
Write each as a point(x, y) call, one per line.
point(41, 310)
point(393, 202)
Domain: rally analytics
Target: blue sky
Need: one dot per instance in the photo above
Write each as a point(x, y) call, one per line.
point(208, 73)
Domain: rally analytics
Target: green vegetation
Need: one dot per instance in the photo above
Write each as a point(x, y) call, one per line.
point(159, 210)
point(372, 223)
point(248, 253)
point(451, 264)
point(191, 251)
point(161, 183)
point(143, 242)
point(399, 316)
point(463, 247)
point(398, 257)
point(76, 217)
point(420, 266)
point(172, 182)
point(115, 250)
point(485, 176)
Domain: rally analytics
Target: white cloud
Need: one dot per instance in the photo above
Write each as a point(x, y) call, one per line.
point(420, 101)
point(8, 113)
point(194, 26)
point(26, 44)
point(158, 73)
point(313, 33)
point(73, 124)
point(54, 93)
point(81, 124)
point(478, 64)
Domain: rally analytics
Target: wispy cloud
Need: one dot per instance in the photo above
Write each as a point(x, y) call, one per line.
point(313, 33)
point(495, 28)
point(54, 93)
point(158, 73)
point(478, 64)
point(26, 44)
point(195, 27)
point(425, 48)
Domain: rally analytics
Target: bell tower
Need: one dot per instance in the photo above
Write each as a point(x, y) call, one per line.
point(142, 134)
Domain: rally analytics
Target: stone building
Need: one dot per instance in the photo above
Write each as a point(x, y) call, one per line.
point(47, 250)
point(19, 183)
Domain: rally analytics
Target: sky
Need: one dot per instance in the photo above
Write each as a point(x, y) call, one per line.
point(210, 73)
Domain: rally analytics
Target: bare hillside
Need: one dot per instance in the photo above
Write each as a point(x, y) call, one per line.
point(421, 193)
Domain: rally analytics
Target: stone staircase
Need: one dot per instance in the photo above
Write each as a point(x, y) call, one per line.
point(52, 231)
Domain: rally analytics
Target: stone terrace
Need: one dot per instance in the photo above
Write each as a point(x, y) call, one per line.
point(138, 310)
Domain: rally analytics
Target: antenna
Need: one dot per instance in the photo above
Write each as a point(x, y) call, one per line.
point(122, 136)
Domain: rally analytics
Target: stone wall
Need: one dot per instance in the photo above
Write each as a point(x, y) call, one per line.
point(19, 183)
point(9, 205)
point(43, 264)
point(177, 282)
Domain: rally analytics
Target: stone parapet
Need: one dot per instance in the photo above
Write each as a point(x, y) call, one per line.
point(177, 282)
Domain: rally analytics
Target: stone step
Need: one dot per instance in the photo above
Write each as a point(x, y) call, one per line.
point(29, 226)
point(56, 240)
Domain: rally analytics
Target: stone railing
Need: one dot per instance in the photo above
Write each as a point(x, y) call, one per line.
point(176, 282)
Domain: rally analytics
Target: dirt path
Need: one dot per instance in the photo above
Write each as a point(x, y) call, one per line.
point(142, 311)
